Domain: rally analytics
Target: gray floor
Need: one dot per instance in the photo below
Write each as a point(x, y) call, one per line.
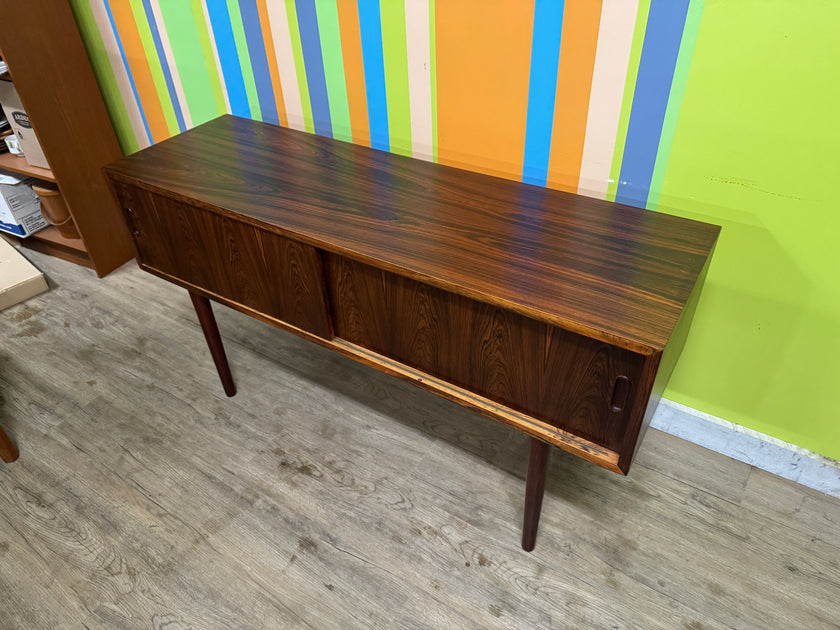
point(327, 495)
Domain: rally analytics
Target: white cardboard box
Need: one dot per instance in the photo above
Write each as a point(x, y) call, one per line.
point(20, 207)
point(19, 279)
point(19, 121)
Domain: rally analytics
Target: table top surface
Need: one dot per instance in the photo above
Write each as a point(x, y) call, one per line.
point(609, 271)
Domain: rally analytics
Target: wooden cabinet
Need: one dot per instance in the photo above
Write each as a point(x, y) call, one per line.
point(50, 68)
point(559, 315)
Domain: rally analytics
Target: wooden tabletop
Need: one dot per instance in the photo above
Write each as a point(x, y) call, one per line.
point(609, 271)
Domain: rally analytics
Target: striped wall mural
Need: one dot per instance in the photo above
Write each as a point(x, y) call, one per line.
point(579, 95)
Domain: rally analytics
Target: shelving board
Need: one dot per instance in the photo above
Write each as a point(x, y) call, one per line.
point(50, 241)
point(9, 162)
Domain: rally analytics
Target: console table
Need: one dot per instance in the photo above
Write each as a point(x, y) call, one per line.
point(557, 314)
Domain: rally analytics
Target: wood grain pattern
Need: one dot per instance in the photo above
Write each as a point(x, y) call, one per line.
point(50, 241)
point(534, 490)
point(531, 426)
point(17, 164)
point(266, 272)
point(658, 372)
point(497, 295)
point(204, 311)
point(58, 89)
point(329, 495)
point(611, 272)
point(551, 374)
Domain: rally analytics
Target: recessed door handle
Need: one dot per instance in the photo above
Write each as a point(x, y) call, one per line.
point(621, 392)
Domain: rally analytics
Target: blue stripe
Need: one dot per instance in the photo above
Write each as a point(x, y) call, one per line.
point(12, 228)
point(259, 60)
point(665, 24)
point(128, 72)
point(542, 89)
point(370, 24)
point(167, 75)
point(313, 62)
point(229, 57)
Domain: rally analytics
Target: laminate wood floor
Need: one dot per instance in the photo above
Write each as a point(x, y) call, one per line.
point(327, 495)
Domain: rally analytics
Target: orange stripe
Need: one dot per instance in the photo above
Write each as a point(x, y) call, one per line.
point(354, 71)
point(139, 66)
point(483, 64)
point(574, 82)
point(262, 10)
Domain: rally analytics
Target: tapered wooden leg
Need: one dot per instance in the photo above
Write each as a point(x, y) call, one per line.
point(534, 489)
point(214, 340)
point(8, 452)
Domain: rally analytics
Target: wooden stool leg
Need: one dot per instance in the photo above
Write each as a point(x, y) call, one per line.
point(8, 452)
point(534, 489)
point(214, 340)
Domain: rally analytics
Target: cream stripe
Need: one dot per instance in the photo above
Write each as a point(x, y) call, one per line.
point(615, 38)
point(279, 22)
point(419, 77)
point(109, 40)
point(170, 61)
point(218, 61)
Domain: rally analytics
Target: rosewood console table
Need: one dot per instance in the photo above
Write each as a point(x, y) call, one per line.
point(559, 315)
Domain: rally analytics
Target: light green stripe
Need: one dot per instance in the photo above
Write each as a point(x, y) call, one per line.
point(433, 78)
point(300, 69)
point(244, 59)
point(330, 36)
point(154, 63)
point(104, 75)
point(669, 125)
point(395, 53)
point(190, 46)
point(209, 60)
point(629, 91)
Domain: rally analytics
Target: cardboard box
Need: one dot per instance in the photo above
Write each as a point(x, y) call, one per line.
point(19, 279)
point(19, 121)
point(20, 208)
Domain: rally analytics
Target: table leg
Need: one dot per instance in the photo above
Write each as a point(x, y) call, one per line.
point(534, 489)
point(8, 452)
point(214, 340)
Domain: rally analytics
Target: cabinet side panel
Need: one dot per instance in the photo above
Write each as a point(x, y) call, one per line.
point(271, 274)
point(660, 370)
point(557, 376)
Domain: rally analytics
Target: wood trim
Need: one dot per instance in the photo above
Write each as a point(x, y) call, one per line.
point(535, 428)
point(15, 164)
point(51, 242)
point(663, 369)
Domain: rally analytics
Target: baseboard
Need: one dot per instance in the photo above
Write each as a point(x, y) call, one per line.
point(754, 448)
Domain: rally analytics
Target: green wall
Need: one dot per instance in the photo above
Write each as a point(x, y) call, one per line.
point(756, 151)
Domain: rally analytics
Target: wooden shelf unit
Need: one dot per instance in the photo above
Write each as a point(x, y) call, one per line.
point(50, 241)
point(9, 162)
point(51, 71)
